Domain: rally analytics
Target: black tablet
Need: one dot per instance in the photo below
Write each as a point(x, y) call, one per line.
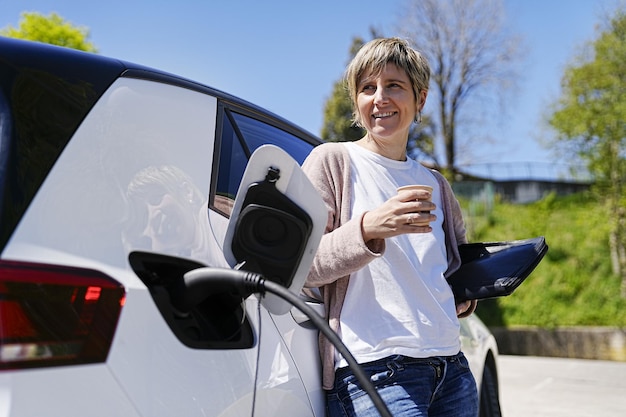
point(495, 269)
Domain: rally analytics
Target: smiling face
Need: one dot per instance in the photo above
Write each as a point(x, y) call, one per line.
point(387, 82)
point(387, 105)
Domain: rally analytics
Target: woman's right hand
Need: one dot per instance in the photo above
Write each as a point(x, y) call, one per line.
point(405, 212)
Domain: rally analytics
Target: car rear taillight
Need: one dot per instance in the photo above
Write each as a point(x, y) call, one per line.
point(54, 315)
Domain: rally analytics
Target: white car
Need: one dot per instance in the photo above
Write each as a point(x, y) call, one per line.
point(116, 180)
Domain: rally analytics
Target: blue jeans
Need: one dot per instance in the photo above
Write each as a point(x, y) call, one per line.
point(432, 387)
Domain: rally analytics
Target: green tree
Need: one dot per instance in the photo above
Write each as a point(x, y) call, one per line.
point(590, 121)
point(338, 125)
point(52, 29)
point(338, 122)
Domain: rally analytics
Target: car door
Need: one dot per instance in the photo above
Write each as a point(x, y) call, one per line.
point(143, 174)
point(242, 131)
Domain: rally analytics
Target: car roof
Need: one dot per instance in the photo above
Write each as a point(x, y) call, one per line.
point(45, 93)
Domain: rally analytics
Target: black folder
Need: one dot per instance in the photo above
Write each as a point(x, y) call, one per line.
point(495, 269)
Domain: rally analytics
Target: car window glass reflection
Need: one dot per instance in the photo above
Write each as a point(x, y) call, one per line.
point(166, 213)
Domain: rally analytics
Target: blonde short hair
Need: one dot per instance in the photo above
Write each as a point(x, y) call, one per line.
point(375, 55)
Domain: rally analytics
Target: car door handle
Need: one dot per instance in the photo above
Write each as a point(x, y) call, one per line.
point(301, 318)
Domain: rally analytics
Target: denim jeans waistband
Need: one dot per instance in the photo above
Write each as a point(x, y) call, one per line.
point(401, 360)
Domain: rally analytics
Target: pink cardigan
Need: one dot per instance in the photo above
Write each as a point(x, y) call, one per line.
point(343, 251)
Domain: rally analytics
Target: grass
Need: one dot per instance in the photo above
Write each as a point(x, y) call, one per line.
point(574, 284)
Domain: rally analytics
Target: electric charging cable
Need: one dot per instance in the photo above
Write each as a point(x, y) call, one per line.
point(199, 283)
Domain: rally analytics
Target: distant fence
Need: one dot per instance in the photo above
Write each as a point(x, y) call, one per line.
point(528, 191)
point(521, 182)
point(538, 171)
point(481, 193)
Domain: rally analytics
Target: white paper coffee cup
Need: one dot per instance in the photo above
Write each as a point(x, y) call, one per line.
point(417, 187)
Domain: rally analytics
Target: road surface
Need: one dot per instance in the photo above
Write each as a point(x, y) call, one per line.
point(558, 387)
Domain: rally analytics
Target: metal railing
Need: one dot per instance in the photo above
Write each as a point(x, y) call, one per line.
point(538, 171)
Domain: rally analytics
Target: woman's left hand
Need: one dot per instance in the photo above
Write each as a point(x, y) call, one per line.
point(465, 308)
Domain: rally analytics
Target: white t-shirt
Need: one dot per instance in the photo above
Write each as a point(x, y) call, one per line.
point(400, 303)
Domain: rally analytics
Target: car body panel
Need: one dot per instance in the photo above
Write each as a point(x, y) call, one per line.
point(89, 390)
point(478, 344)
point(84, 192)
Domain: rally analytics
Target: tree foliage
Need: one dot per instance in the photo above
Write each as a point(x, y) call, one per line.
point(472, 60)
point(338, 121)
point(338, 126)
point(590, 119)
point(52, 29)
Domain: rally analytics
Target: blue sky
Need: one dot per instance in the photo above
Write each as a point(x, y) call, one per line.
point(285, 55)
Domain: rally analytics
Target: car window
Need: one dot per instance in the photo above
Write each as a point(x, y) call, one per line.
point(256, 133)
point(232, 161)
point(5, 143)
point(133, 177)
point(241, 135)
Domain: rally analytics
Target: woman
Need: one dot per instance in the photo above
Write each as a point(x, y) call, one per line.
point(382, 264)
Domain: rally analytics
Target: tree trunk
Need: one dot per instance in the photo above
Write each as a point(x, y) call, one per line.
point(617, 245)
point(621, 247)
